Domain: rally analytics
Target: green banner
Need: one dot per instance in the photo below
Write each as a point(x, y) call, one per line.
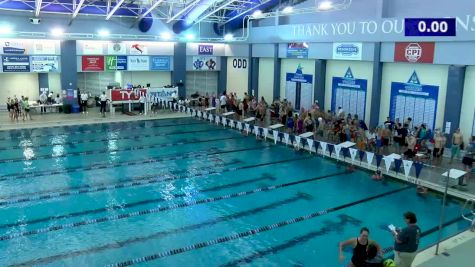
point(111, 63)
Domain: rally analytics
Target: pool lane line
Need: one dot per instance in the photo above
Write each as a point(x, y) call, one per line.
point(130, 182)
point(132, 137)
point(104, 151)
point(327, 228)
point(139, 203)
point(98, 131)
point(126, 242)
point(251, 232)
point(107, 165)
point(100, 124)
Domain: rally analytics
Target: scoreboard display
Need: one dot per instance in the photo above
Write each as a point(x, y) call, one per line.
point(430, 27)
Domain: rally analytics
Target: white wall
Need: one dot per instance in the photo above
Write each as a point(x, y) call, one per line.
point(19, 84)
point(54, 82)
point(156, 78)
point(468, 104)
point(290, 66)
point(360, 69)
point(427, 73)
point(94, 82)
point(236, 80)
point(266, 79)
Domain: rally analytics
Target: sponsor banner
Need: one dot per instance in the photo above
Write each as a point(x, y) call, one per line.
point(422, 52)
point(127, 94)
point(137, 63)
point(204, 63)
point(205, 49)
point(92, 48)
point(114, 63)
point(297, 50)
point(138, 49)
point(16, 63)
point(116, 48)
point(347, 51)
point(92, 63)
point(45, 64)
point(240, 63)
point(162, 93)
point(44, 48)
point(160, 63)
point(16, 47)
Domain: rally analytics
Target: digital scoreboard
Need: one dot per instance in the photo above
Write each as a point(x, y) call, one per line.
point(430, 27)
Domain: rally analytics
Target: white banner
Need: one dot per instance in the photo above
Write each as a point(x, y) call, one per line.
point(286, 138)
point(232, 123)
point(116, 48)
point(138, 49)
point(239, 126)
point(210, 117)
point(266, 132)
point(324, 147)
point(223, 120)
point(44, 47)
point(248, 128)
point(256, 130)
point(45, 64)
point(138, 63)
point(407, 167)
point(337, 151)
point(217, 120)
point(387, 162)
point(353, 153)
point(298, 140)
point(92, 48)
point(369, 158)
point(276, 136)
point(347, 51)
point(310, 144)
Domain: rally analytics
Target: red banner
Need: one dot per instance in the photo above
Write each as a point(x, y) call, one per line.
point(422, 52)
point(93, 63)
point(127, 94)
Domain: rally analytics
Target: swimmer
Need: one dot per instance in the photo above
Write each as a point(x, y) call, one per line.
point(378, 175)
point(421, 190)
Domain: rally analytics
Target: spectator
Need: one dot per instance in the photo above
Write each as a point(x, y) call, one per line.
point(103, 99)
point(84, 98)
point(468, 160)
point(406, 241)
point(43, 99)
point(457, 145)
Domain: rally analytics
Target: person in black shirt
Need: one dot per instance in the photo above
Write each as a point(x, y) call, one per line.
point(360, 245)
point(406, 241)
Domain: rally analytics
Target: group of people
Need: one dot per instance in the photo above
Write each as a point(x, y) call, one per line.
point(367, 253)
point(48, 98)
point(18, 107)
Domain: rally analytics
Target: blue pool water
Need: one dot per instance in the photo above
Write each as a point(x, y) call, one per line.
point(177, 192)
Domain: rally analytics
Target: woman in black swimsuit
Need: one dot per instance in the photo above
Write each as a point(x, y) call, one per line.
point(360, 246)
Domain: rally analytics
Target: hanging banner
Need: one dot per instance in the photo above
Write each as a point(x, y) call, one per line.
point(265, 132)
point(248, 128)
point(414, 100)
point(114, 63)
point(361, 154)
point(204, 63)
point(45, 63)
point(138, 63)
point(349, 94)
point(387, 162)
point(297, 50)
point(397, 165)
point(324, 147)
point(275, 135)
point(298, 140)
point(116, 48)
point(422, 52)
point(286, 138)
point(92, 63)
point(353, 153)
point(205, 49)
point(92, 48)
point(138, 49)
point(337, 151)
point(126, 95)
point(16, 47)
point(347, 51)
point(160, 63)
point(369, 158)
point(407, 164)
point(44, 47)
point(310, 144)
point(299, 88)
point(16, 63)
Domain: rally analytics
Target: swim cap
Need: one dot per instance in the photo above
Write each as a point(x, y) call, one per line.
point(389, 263)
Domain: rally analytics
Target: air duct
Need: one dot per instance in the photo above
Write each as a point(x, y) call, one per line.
point(186, 21)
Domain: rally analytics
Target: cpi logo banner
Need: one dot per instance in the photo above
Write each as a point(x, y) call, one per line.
point(422, 52)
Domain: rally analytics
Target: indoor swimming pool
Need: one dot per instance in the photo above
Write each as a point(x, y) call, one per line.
point(177, 192)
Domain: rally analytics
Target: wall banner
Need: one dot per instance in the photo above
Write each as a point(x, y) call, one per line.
point(114, 63)
point(299, 88)
point(92, 63)
point(204, 63)
point(240, 63)
point(414, 52)
point(297, 50)
point(349, 94)
point(45, 64)
point(92, 48)
point(347, 51)
point(205, 49)
point(138, 49)
point(14, 47)
point(116, 48)
point(160, 63)
point(16, 63)
point(127, 94)
point(414, 100)
point(44, 48)
point(138, 63)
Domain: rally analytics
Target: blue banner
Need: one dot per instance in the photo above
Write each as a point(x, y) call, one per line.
point(414, 100)
point(349, 94)
point(16, 63)
point(121, 62)
point(297, 50)
point(160, 63)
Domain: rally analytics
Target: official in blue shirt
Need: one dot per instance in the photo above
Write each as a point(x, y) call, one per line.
point(407, 241)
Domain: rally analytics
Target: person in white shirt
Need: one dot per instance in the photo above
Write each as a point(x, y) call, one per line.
point(84, 98)
point(103, 99)
point(50, 98)
point(43, 98)
point(222, 102)
point(58, 99)
point(142, 104)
